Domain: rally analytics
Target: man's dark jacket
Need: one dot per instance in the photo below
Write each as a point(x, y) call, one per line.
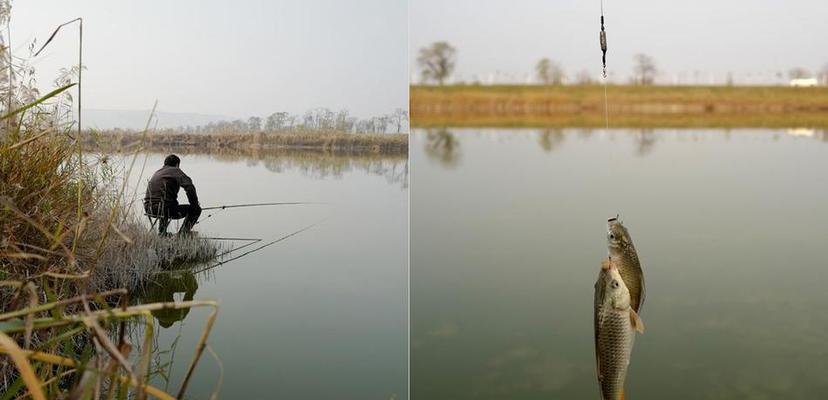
point(164, 184)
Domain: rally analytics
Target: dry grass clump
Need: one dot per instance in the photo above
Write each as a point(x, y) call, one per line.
point(131, 264)
point(63, 215)
point(70, 247)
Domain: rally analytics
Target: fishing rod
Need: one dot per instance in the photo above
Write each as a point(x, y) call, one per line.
point(263, 246)
point(268, 244)
point(259, 205)
point(224, 207)
point(234, 239)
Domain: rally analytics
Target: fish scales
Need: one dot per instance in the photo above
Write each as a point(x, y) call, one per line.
point(623, 254)
point(615, 323)
point(615, 341)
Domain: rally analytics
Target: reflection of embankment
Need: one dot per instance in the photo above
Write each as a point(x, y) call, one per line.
point(629, 106)
point(316, 142)
point(444, 146)
point(316, 163)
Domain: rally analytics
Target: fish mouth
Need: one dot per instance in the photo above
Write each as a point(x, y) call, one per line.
point(609, 264)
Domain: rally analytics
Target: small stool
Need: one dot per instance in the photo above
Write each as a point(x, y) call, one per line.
point(156, 219)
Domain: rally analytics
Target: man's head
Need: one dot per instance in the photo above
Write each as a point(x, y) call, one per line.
point(172, 160)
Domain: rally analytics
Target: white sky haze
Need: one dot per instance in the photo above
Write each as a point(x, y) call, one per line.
point(236, 59)
point(754, 39)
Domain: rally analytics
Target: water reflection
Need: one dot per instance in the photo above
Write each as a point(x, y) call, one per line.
point(801, 132)
point(549, 139)
point(444, 144)
point(488, 326)
point(645, 139)
point(313, 164)
point(170, 288)
point(441, 145)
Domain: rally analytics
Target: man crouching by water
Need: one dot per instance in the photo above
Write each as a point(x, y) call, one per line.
point(161, 200)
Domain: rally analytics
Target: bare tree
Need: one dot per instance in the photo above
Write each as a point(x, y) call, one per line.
point(799, 73)
point(276, 121)
point(254, 124)
point(342, 118)
point(823, 74)
point(549, 72)
point(645, 70)
point(400, 117)
point(436, 62)
point(584, 77)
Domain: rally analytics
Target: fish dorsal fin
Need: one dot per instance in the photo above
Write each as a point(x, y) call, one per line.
point(621, 395)
point(636, 321)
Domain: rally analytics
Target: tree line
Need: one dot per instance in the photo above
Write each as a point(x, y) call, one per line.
point(437, 62)
point(317, 120)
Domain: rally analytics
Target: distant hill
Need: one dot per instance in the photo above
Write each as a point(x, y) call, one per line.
point(137, 119)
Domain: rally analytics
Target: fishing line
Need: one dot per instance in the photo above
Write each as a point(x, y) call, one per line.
point(224, 207)
point(259, 205)
point(254, 241)
point(238, 248)
point(603, 42)
point(227, 238)
point(268, 244)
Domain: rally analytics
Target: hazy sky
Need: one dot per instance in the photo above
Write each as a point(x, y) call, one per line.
point(237, 58)
point(759, 37)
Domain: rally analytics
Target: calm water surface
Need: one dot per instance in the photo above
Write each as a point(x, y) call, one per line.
point(508, 230)
point(321, 315)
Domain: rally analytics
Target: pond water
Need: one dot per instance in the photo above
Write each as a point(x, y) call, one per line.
point(322, 314)
point(508, 228)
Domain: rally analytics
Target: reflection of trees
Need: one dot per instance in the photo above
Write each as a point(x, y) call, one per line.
point(312, 163)
point(441, 145)
point(395, 169)
point(549, 139)
point(646, 140)
point(585, 133)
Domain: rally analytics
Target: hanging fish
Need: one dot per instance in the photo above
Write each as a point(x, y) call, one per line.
point(623, 255)
point(615, 325)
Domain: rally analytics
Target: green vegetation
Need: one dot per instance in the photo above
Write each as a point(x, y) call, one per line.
point(629, 106)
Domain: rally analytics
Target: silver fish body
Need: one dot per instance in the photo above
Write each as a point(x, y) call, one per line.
point(622, 253)
point(615, 325)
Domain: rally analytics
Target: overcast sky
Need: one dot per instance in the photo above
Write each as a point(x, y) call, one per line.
point(756, 37)
point(237, 58)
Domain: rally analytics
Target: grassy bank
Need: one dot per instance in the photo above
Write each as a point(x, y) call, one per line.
point(629, 106)
point(71, 253)
point(332, 142)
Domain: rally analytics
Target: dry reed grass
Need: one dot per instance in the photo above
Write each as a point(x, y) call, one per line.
point(69, 246)
point(629, 106)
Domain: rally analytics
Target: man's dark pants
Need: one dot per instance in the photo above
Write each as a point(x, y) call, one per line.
point(166, 212)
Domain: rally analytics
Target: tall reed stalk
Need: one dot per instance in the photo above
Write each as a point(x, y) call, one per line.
point(71, 249)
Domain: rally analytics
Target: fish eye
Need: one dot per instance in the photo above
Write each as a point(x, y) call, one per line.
point(612, 236)
point(614, 284)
